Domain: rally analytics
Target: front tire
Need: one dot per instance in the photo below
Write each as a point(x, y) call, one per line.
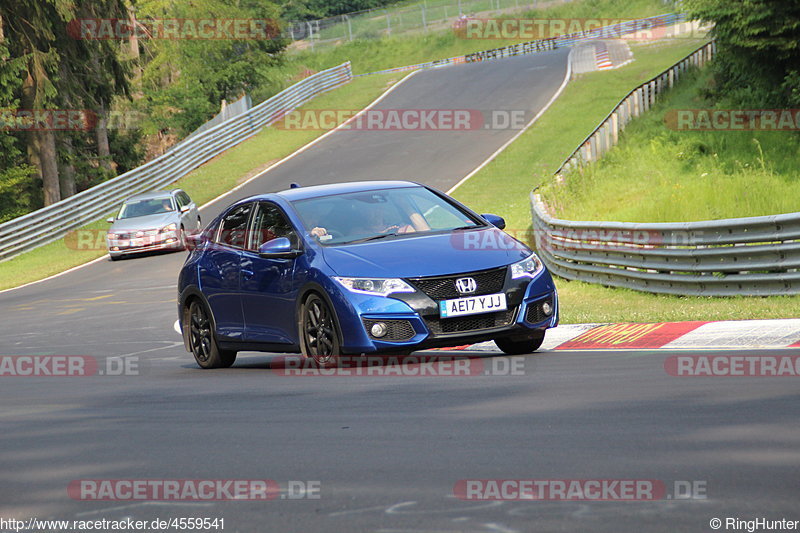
point(518, 346)
point(319, 333)
point(203, 342)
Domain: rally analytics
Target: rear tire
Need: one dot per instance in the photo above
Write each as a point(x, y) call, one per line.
point(518, 346)
point(203, 342)
point(319, 337)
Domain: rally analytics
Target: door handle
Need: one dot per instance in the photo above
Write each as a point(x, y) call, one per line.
point(247, 273)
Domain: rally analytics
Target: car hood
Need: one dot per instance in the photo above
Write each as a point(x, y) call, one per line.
point(157, 221)
point(426, 255)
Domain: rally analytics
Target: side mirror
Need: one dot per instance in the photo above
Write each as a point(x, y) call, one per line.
point(495, 220)
point(110, 220)
point(185, 209)
point(193, 240)
point(279, 248)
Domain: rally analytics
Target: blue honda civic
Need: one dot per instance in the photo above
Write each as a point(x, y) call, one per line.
point(359, 268)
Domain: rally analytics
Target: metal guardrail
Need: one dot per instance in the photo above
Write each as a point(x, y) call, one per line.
point(756, 256)
point(636, 102)
point(613, 31)
point(54, 221)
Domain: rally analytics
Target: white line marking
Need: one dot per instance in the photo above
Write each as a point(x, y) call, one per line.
point(523, 130)
point(101, 258)
point(223, 195)
point(176, 326)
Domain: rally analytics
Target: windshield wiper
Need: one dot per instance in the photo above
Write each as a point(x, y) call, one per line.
point(373, 238)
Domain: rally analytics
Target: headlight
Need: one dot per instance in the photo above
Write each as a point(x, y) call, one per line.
point(528, 267)
point(376, 286)
point(170, 227)
point(113, 236)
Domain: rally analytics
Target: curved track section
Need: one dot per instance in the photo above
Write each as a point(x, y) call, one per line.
point(387, 451)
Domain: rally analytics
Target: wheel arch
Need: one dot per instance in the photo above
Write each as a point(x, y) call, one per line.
point(315, 288)
point(189, 295)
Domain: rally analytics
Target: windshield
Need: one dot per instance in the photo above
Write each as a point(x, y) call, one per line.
point(385, 213)
point(143, 208)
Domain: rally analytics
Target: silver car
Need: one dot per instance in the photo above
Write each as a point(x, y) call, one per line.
point(156, 220)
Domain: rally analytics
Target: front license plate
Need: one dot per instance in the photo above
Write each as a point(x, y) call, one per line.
point(473, 305)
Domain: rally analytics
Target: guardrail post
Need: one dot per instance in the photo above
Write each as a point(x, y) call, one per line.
point(671, 78)
point(615, 128)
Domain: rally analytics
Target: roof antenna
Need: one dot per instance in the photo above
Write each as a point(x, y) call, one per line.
point(294, 185)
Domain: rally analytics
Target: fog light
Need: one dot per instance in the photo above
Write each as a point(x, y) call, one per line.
point(378, 329)
point(547, 309)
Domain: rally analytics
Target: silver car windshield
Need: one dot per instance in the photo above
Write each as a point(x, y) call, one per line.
point(143, 208)
point(370, 215)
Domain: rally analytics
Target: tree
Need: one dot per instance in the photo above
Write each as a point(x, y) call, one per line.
point(61, 71)
point(185, 79)
point(758, 43)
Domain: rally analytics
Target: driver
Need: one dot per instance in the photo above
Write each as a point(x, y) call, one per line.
point(375, 222)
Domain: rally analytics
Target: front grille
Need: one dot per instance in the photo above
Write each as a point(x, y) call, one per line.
point(460, 324)
point(444, 287)
point(534, 314)
point(396, 330)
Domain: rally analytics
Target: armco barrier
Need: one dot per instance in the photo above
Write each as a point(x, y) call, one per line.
point(756, 256)
point(54, 221)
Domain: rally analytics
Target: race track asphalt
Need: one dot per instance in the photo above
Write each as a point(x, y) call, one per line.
point(387, 451)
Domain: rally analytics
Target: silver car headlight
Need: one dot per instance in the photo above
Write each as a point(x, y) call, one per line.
point(527, 268)
point(169, 227)
point(375, 286)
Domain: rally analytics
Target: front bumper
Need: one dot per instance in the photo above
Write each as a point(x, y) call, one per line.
point(149, 241)
point(413, 321)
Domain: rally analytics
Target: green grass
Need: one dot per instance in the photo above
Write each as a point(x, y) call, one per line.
point(369, 55)
point(504, 184)
point(581, 303)
point(657, 174)
point(531, 160)
point(208, 181)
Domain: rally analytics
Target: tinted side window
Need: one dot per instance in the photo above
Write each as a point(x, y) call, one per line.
point(270, 223)
point(233, 229)
point(184, 198)
point(179, 199)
